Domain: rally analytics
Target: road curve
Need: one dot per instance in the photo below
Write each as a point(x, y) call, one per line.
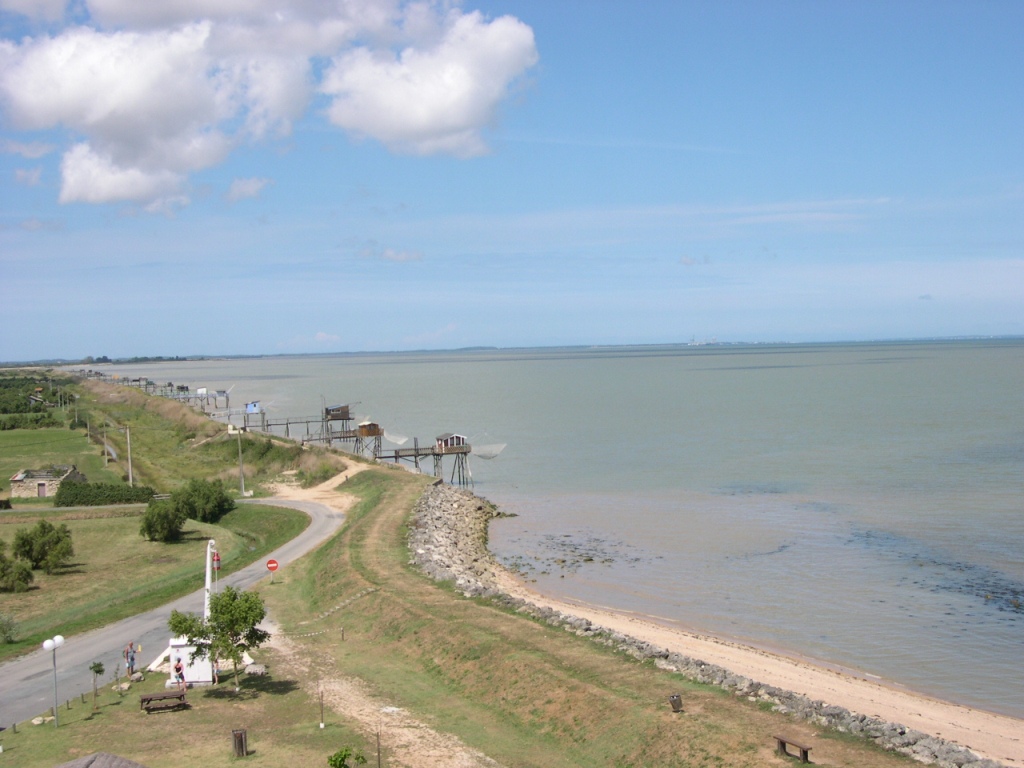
point(26, 689)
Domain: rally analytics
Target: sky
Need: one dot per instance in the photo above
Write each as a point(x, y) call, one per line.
point(228, 177)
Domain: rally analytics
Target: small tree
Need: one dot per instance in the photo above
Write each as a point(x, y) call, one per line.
point(203, 500)
point(8, 628)
point(97, 669)
point(340, 758)
point(162, 521)
point(15, 575)
point(231, 631)
point(45, 546)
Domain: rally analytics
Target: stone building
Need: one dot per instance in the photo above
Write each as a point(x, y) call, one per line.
point(41, 483)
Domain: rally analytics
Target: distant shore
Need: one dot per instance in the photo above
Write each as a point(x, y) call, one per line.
point(448, 542)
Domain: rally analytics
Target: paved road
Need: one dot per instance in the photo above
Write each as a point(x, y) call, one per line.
point(26, 683)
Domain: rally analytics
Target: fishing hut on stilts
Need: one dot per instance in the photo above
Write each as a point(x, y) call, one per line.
point(448, 444)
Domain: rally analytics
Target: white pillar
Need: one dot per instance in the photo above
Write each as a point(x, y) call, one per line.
point(211, 545)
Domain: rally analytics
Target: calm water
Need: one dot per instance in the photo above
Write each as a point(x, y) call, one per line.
point(859, 504)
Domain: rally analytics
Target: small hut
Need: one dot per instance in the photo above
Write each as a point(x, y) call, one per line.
point(42, 483)
point(449, 442)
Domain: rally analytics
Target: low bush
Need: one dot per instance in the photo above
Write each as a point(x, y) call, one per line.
point(8, 628)
point(77, 494)
point(28, 421)
point(162, 521)
point(202, 500)
point(15, 575)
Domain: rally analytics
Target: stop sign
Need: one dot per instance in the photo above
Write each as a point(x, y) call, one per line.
point(271, 565)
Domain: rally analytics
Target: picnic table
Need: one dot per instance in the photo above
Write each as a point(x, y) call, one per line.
point(152, 702)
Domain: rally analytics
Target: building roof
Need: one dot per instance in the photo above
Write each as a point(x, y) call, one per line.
point(50, 473)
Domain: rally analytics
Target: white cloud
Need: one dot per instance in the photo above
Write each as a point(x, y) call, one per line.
point(91, 178)
point(47, 10)
point(151, 92)
point(326, 338)
point(242, 189)
point(371, 249)
point(41, 225)
point(435, 100)
point(30, 177)
point(32, 150)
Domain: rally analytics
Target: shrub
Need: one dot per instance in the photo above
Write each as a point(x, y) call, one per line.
point(203, 500)
point(45, 546)
point(15, 575)
point(162, 522)
point(8, 629)
point(340, 758)
point(73, 493)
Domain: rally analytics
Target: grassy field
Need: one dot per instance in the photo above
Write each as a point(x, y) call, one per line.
point(282, 727)
point(523, 692)
point(34, 448)
point(116, 573)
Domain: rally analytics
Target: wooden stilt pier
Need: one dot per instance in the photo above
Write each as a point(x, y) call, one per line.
point(448, 444)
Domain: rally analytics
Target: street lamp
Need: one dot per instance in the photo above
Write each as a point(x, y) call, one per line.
point(53, 645)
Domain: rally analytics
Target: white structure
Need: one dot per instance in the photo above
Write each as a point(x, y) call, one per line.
point(198, 671)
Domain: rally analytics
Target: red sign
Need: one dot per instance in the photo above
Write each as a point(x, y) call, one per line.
point(271, 565)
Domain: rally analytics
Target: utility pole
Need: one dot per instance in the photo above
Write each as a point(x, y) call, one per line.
point(241, 470)
point(131, 480)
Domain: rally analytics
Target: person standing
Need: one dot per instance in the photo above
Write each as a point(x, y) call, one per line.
point(129, 657)
point(179, 674)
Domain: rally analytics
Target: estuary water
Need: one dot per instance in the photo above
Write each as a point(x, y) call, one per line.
point(858, 504)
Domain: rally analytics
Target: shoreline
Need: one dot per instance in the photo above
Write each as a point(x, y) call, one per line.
point(448, 543)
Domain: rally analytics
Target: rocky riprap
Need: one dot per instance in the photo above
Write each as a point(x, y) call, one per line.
point(448, 542)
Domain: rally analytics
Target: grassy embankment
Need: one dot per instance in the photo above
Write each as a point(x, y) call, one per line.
point(172, 443)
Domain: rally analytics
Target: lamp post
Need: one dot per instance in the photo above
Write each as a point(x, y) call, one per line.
point(52, 645)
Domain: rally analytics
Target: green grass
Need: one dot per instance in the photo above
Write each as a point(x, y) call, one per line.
point(281, 720)
point(116, 573)
point(36, 448)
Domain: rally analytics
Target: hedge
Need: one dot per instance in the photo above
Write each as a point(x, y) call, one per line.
point(76, 494)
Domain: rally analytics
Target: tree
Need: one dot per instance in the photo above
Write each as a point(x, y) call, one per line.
point(162, 522)
point(15, 575)
point(203, 500)
point(231, 631)
point(340, 758)
point(45, 546)
point(97, 669)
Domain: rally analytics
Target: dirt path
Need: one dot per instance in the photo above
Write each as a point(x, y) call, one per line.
point(406, 740)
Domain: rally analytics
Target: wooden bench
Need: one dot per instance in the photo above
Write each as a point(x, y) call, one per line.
point(152, 702)
point(782, 741)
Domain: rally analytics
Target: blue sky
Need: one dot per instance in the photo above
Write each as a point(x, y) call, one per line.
point(260, 177)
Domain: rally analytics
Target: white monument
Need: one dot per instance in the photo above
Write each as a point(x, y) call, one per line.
point(198, 671)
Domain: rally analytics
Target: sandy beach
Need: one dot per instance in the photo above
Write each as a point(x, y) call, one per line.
point(989, 735)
